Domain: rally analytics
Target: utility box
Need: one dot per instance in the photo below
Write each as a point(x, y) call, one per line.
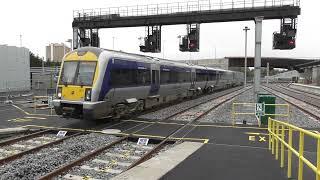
point(269, 109)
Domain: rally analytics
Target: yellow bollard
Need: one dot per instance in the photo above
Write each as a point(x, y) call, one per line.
point(277, 142)
point(318, 160)
point(273, 138)
point(289, 172)
point(301, 149)
point(282, 147)
point(269, 131)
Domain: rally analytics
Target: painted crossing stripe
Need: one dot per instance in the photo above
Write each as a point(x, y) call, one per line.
point(108, 170)
point(125, 151)
point(108, 162)
point(143, 147)
point(122, 156)
point(22, 146)
point(75, 177)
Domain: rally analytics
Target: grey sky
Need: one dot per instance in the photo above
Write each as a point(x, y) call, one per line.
point(43, 22)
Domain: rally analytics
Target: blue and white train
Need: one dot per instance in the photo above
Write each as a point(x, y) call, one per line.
point(96, 83)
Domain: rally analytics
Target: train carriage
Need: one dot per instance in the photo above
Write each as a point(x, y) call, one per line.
point(96, 83)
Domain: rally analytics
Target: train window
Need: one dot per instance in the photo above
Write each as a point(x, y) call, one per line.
point(184, 77)
point(85, 73)
point(212, 76)
point(68, 72)
point(201, 76)
point(143, 77)
point(165, 77)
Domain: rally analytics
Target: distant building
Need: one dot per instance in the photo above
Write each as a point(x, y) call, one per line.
point(56, 51)
point(221, 63)
point(14, 68)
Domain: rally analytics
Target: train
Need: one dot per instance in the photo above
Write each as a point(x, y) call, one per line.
point(96, 83)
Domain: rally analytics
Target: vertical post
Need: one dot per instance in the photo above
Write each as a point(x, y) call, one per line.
point(246, 29)
point(268, 73)
point(75, 39)
point(257, 58)
point(318, 160)
point(282, 148)
point(277, 141)
point(289, 172)
point(301, 149)
point(273, 136)
point(269, 131)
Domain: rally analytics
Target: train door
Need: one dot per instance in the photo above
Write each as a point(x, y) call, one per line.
point(155, 79)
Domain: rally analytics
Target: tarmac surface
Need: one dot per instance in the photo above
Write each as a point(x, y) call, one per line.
point(239, 152)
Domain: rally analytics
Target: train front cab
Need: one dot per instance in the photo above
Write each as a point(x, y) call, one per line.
point(77, 78)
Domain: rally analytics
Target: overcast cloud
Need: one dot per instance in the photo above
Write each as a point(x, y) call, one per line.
point(44, 22)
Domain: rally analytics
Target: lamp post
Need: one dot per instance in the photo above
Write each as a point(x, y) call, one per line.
point(246, 29)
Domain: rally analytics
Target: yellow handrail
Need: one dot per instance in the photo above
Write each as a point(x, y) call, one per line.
point(235, 113)
point(275, 137)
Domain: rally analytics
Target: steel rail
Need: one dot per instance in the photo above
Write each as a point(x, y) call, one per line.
point(314, 115)
point(29, 136)
point(18, 155)
point(78, 161)
point(167, 138)
point(146, 156)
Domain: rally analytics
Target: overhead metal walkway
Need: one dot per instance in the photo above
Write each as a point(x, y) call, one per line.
point(184, 13)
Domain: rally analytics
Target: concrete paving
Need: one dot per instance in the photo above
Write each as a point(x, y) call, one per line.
point(159, 165)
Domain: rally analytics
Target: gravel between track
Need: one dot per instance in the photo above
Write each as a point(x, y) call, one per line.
point(222, 114)
point(36, 165)
point(125, 149)
point(167, 112)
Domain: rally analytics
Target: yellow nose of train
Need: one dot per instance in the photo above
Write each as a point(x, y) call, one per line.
point(78, 75)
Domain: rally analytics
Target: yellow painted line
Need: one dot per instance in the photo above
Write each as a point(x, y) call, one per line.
point(192, 139)
point(221, 126)
point(21, 109)
point(71, 129)
point(47, 115)
point(30, 114)
point(257, 134)
point(173, 138)
point(30, 117)
point(150, 122)
point(21, 120)
point(148, 135)
point(139, 121)
point(199, 125)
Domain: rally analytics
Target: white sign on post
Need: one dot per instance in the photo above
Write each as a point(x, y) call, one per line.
point(62, 133)
point(260, 109)
point(50, 101)
point(143, 141)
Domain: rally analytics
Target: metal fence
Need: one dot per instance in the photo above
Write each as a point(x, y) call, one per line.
point(42, 82)
point(282, 133)
point(178, 7)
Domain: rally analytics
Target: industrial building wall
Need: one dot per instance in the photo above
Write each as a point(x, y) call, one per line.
point(14, 68)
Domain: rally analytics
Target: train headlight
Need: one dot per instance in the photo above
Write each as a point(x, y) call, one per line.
point(59, 93)
point(88, 95)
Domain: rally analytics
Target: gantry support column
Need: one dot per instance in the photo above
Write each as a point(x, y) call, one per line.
point(75, 38)
point(257, 56)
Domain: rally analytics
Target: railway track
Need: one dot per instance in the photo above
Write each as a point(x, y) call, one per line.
point(103, 161)
point(303, 102)
point(171, 111)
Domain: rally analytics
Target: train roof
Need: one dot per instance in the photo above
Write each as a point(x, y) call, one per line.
point(143, 58)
